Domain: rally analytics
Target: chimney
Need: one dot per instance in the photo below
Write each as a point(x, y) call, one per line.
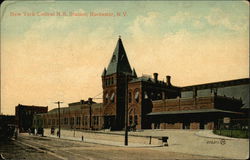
point(81, 101)
point(168, 78)
point(156, 77)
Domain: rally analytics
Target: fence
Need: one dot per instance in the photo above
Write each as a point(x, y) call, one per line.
point(238, 128)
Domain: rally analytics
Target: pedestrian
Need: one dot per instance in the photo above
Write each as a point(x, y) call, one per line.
point(35, 131)
point(42, 132)
point(29, 131)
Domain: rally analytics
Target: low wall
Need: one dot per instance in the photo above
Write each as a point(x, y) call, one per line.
point(108, 136)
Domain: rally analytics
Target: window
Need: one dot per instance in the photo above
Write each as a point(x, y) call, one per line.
point(65, 120)
point(106, 98)
point(53, 121)
point(158, 96)
point(137, 96)
point(112, 98)
point(108, 81)
point(130, 119)
point(85, 120)
point(112, 80)
point(96, 120)
point(145, 95)
point(136, 119)
point(129, 97)
point(49, 123)
point(78, 120)
point(72, 121)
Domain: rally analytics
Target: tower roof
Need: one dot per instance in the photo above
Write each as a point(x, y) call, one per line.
point(119, 62)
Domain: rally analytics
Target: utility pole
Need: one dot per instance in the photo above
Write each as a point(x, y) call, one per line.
point(126, 110)
point(59, 125)
point(90, 112)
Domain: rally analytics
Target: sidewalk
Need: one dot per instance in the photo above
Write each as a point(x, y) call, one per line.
point(210, 134)
point(105, 142)
point(195, 142)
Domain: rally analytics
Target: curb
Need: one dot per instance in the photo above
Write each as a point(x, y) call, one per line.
point(107, 144)
point(218, 137)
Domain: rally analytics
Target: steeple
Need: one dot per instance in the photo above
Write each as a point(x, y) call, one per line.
point(119, 62)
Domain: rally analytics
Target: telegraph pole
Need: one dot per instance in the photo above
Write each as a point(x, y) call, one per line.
point(90, 113)
point(59, 119)
point(126, 110)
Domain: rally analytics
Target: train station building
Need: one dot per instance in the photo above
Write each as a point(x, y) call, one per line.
point(152, 103)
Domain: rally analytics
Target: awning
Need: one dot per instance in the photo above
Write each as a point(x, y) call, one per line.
point(191, 111)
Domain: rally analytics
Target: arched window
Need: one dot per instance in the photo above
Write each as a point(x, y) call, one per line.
point(145, 95)
point(137, 98)
point(106, 98)
point(112, 98)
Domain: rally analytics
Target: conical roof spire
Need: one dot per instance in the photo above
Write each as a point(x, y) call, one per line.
point(119, 62)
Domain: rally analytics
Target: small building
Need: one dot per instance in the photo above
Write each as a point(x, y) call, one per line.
point(24, 115)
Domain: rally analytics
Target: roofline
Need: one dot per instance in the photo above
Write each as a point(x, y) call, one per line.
point(213, 84)
point(191, 112)
point(21, 105)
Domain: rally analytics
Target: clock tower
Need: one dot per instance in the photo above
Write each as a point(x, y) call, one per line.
point(114, 84)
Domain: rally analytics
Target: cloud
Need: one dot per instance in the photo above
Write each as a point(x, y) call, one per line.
point(218, 17)
point(142, 24)
point(180, 17)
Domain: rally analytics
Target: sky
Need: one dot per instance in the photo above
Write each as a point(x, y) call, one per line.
point(49, 54)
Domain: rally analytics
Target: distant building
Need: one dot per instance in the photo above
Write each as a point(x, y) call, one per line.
point(24, 115)
point(79, 115)
point(7, 126)
point(153, 104)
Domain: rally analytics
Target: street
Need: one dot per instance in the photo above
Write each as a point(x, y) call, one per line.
point(36, 147)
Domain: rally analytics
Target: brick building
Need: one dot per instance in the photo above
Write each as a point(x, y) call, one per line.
point(152, 103)
point(24, 115)
point(140, 91)
point(79, 115)
point(201, 106)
